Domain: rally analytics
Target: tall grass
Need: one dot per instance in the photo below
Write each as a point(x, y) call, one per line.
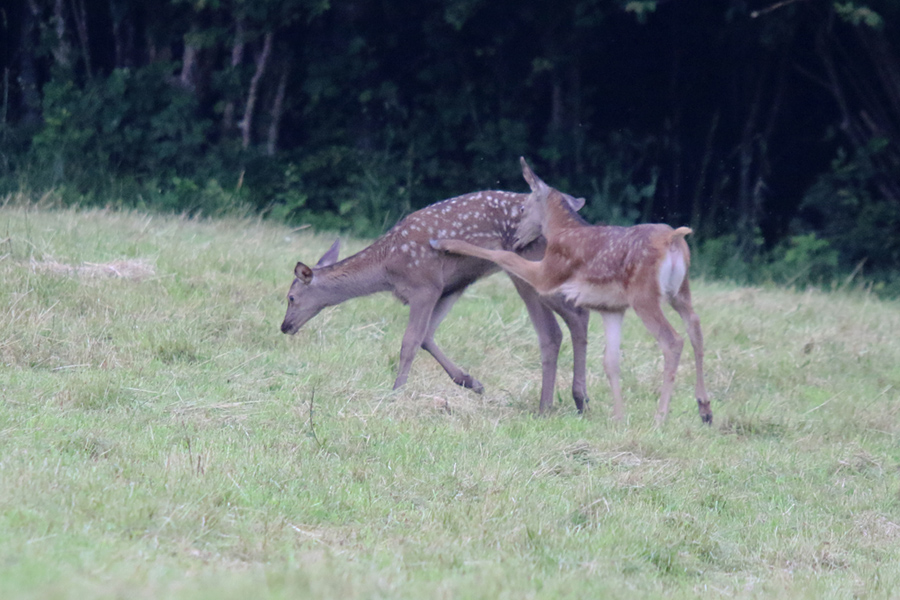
point(159, 437)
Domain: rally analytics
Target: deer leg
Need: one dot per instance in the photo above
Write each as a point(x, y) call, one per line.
point(549, 340)
point(509, 261)
point(458, 376)
point(681, 302)
point(576, 320)
point(671, 344)
point(421, 306)
point(612, 328)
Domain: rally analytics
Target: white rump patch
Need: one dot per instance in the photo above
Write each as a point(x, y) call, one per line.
point(671, 272)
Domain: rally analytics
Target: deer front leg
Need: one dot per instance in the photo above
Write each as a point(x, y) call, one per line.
point(458, 376)
point(576, 320)
point(549, 341)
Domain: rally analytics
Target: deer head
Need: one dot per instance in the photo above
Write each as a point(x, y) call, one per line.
point(306, 298)
point(534, 217)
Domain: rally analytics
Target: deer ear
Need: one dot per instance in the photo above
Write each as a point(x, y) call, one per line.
point(330, 257)
point(534, 182)
point(303, 273)
point(575, 203)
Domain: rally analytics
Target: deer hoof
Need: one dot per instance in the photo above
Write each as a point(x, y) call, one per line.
point(581, 404)
point(705, 412)
point(469, 382)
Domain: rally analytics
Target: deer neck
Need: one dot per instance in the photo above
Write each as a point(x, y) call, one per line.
point(560, 217)
point(358, 275)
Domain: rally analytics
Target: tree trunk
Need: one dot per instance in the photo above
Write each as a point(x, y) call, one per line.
point(188, 76)
point(697, 219)
point(748, 184)
point(872, 113)
point(28, 83)
point(80, 16)
point(61, 52)
point(237, 57)
point(262, 61)
point(277, 109)
point(123, 34)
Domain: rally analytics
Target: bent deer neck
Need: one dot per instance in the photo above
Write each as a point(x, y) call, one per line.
point(359, 275)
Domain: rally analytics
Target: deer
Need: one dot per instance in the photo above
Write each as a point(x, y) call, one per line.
point(430, 282)
point(607, 269)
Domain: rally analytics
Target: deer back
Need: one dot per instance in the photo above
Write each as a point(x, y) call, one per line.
point(402, 260)
point(487, 219)
point(607, 268)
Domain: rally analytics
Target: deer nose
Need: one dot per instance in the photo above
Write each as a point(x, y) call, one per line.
point(285, 327)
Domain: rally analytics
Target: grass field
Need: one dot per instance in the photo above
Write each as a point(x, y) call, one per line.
point(160, 438)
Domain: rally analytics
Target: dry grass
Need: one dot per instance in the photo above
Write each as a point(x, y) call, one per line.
point(133, 269)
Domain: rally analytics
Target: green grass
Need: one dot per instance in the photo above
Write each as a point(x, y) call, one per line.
point(159, 437)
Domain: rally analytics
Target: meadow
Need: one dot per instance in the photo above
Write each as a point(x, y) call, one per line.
point(160, 438)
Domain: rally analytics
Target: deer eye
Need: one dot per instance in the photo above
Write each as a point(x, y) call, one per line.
point(291, 299)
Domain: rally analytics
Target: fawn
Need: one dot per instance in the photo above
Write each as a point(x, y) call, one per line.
point(607, 269)
point(430, 282)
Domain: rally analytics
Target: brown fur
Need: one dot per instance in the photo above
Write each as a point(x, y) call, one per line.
point(609, 269)
point(403, 262)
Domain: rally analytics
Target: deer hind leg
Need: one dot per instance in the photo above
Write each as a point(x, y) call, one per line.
point(421, 307)
point(681, 302)
point(671, 344)
point(458, 376)
point(549, 340)
point(510, 262)
point(612, 327)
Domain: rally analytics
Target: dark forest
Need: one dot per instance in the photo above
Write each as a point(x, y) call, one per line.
point(771, 128)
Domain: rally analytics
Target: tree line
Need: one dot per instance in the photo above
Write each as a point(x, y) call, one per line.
point(772, 128)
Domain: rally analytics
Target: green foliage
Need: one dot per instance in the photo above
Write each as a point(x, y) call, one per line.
point(805, 259)
point(858, 14)
point(133, 136)
point(337, 188)
point(801, 261)
point(640, 8)
point(131, 123)
point(846, 208)
point(724, 258)
point(186, 195)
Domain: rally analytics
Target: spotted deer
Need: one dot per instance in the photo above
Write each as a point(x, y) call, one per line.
point(430, 282)
point(607, 269)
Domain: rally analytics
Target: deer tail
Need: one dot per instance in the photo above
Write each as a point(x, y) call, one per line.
point(681, 232)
